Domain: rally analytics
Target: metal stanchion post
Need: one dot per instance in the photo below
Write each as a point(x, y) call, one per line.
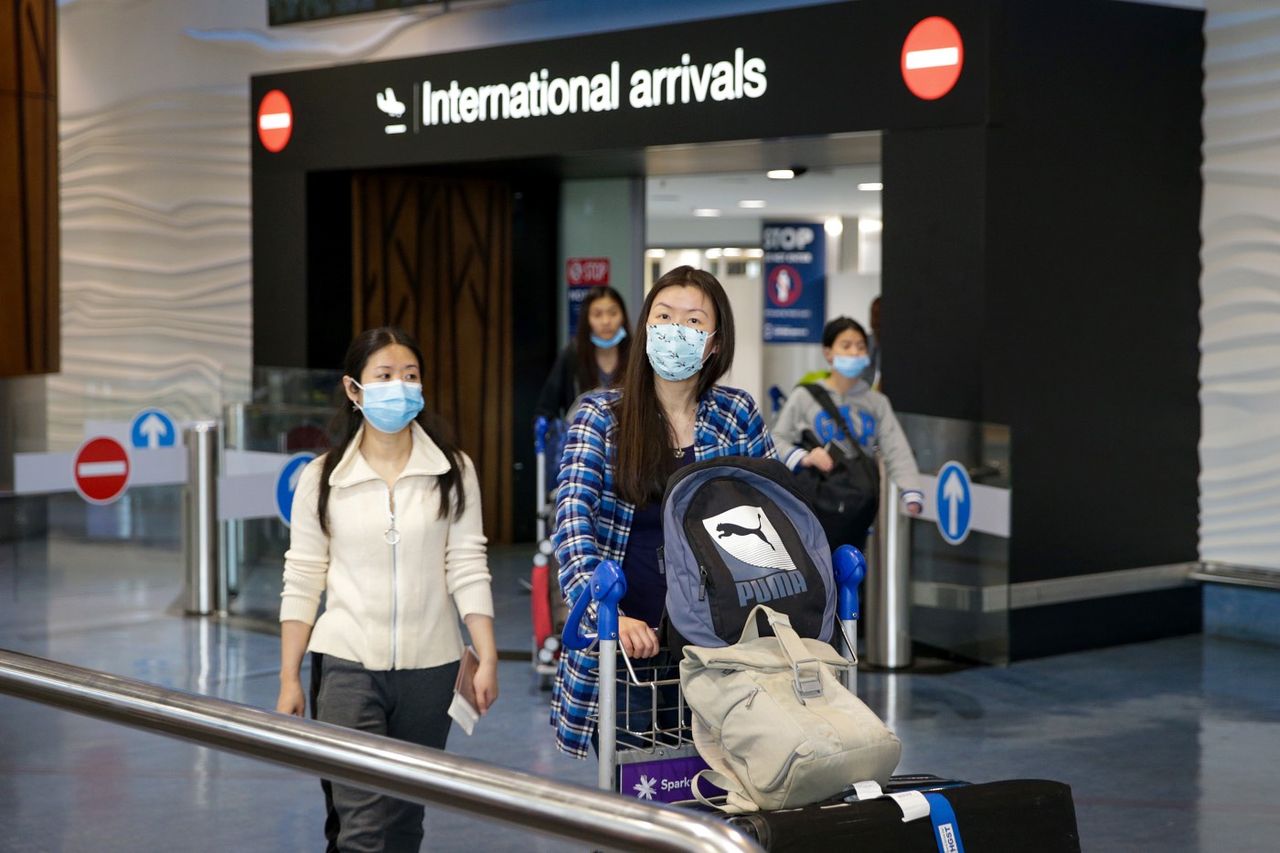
point(888, 583)
point(200, 518)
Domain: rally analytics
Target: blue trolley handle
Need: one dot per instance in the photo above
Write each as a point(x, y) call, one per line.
point(608, 585)
point(850, 568)
point(540, 435)
point(540, 454)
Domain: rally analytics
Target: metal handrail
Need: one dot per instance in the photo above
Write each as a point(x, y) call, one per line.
point(403, 770)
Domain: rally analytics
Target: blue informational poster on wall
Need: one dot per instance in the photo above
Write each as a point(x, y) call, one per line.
point(795, 282)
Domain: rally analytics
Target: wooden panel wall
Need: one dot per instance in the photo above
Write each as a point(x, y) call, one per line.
point(29, 322)
point(433, 256)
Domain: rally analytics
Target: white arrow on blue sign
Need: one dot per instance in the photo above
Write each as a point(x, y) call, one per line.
point(954, 500)
point(287, 483)
point(152, 428)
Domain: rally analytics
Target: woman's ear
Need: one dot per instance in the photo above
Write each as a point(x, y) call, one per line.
point(826, 354)
point(348, 385)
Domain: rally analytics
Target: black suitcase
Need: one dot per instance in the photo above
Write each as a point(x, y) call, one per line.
point(1014, 816)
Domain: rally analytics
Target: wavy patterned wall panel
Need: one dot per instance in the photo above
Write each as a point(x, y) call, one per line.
point(155, 259)
point(1240, 286)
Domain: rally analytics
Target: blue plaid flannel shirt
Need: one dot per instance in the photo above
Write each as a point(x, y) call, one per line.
point(593, 523)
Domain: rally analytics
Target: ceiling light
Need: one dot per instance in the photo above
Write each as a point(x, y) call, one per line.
point(733, 253)
point(655, 253)
point(755, 253)
point(786, 174)
point(706, 211)
point(870, 226)
point(871, 187)
point(712, 254)
point(834, 226)
point(751, 203)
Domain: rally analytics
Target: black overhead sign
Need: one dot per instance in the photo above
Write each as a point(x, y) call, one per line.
point(281, 12)
point(809, 71)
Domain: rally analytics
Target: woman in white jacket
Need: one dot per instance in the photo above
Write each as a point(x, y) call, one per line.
point(386, 527)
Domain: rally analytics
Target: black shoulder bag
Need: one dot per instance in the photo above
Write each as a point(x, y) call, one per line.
point(847, 497)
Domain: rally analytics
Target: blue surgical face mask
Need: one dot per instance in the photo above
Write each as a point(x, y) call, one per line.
point(390, 406)
point(675, 351)
point(610, 343)
point(850, 365)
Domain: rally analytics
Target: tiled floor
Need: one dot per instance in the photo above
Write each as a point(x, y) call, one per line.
point(1169, 746)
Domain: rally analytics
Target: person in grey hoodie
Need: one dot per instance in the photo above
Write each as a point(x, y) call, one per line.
point(867, 414)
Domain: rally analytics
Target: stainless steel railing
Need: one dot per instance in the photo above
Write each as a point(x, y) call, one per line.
point(376, 763)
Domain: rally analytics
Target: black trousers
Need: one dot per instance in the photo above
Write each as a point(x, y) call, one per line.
point(406, 704)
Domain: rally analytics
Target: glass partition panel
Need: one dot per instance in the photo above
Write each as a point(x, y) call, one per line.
point(288, 412)
point(960, 593)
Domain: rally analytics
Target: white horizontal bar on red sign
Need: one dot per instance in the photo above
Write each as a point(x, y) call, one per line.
point(102, 469)
point(941, 57)
point(274, 121)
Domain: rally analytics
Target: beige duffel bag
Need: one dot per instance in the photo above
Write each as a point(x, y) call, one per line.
point(775, 724)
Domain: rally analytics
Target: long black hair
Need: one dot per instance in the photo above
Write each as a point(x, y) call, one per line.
point(347, 420)
point(588, 372)
point(644, 460)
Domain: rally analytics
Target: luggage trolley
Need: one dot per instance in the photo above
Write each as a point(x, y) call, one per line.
point(546, 604)
point(656, 761)
point(649, 749)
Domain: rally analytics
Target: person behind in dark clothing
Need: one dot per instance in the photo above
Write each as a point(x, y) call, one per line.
point(593, 359)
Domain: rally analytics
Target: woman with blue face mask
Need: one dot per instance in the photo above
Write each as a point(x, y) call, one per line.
point(622, 446)
point(867, 415)
point(593, 359)
point(386, 526)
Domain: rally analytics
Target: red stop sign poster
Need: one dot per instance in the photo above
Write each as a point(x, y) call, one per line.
point(587, 272)
point(932, 57)
point(101, 470)
point(275, 121)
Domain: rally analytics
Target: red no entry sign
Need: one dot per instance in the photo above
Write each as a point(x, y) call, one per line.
point(101, 470)
point(275, 121)
point(932, 57)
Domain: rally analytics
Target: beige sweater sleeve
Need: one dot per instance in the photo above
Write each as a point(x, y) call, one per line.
point(306, 563)
point(466, 561)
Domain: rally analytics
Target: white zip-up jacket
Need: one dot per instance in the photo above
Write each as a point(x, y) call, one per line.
point(396, 582)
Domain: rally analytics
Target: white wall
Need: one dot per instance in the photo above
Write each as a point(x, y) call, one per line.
point(1240, 286)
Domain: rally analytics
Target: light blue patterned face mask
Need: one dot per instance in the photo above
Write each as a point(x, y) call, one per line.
point(850, 365)
point(390, 406)
point(610, 343)
point(675, 351)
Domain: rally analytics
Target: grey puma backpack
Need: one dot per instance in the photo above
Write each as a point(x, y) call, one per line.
point(737, 534)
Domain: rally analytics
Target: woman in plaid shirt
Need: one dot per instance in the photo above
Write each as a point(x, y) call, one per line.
point(622, 447)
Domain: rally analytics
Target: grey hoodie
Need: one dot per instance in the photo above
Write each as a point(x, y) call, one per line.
point(867, 412)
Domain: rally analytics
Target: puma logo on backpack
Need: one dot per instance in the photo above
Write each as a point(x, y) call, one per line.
point(738, 534)
point(726, 529)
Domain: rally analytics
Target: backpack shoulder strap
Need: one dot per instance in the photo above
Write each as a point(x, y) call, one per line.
point(829, 406)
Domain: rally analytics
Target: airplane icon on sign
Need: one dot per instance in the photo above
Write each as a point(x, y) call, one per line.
point(389, 104)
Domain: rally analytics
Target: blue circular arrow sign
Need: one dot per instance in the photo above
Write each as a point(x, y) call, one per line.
point(287, 483)
point(152, 428)
point(954, 500)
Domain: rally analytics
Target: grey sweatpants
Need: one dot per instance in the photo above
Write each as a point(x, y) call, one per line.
point(406, 704)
